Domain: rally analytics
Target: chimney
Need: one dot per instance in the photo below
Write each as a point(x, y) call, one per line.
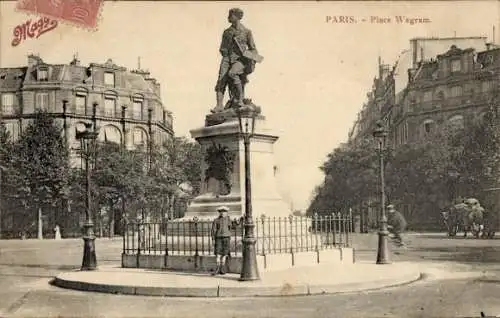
point(144, 73)
point(75, 60)
point(414, 45)
point(33, 60)
point(411, 74)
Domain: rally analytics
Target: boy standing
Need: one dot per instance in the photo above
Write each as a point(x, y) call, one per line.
point(221, 234)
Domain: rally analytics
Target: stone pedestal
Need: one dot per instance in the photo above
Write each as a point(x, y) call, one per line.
point(223, 130)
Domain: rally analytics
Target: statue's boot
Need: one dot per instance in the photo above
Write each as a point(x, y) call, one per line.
point(219, 107)
point(238, 99)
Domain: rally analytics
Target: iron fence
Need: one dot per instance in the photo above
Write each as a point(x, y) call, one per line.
point(274, 235)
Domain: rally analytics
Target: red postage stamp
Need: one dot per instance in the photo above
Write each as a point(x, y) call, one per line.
point(83, 13)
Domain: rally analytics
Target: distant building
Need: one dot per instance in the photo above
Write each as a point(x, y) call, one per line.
point(128, 110)
point(419, 84)
point(129, 107)
point(436, 81)
point(456, 87)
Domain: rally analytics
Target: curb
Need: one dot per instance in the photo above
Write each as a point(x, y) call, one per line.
point(489, 279)
point(220, 291)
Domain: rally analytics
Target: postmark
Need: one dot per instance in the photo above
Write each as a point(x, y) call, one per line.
point(82, 13)
point(32, 29)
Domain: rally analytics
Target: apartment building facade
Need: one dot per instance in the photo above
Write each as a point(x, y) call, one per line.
point(399, 87)
point(125, 106)
point(456, 86)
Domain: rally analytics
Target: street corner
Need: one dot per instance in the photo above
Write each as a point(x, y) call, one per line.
point(433, 271)
point(413, 272)
point(489, 277)
point(291, 282)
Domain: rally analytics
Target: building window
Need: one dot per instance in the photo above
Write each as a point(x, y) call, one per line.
point(81, 104)
point(456, 66)
point(399, 135)
point(456, 91)
point(428, 126)
point(457, 121)
point(13, 130)
point(486, 86)
point(8, 104)
point(110, 107)
point(109, 78)
point(43, 74)
point(140, 138)
point(427, 96)
point(111, 133)
point(42, 101)
point(405, 132)
point(138, 110)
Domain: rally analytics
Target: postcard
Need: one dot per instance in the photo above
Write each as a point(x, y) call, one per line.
point(249, 159)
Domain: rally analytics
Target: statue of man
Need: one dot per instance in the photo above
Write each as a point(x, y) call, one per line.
point(239, 55)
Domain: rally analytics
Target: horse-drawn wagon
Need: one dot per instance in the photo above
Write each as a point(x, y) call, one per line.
point(468, 216)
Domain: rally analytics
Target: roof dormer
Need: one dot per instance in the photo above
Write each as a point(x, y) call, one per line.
point(34, 60)
point(42, 73)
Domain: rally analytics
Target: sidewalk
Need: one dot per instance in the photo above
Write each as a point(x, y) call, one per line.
point(318, 279)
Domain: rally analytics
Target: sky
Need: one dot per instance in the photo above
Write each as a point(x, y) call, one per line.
point(310, 86)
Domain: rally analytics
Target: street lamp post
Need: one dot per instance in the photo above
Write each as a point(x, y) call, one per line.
point(1, 184)
point(383, 250)
point(87, 139)
point(249, 269)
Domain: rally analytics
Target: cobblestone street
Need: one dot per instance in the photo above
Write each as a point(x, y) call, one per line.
point(27, 266)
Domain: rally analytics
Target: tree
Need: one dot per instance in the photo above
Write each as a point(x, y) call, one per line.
point(479, 161)
point(5, 165)
point(351, 176)
point(119, 177)
point(41, 160)
point(178, 162)
point(417, 175)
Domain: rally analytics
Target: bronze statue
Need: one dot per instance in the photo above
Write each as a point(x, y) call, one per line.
point(239, 55)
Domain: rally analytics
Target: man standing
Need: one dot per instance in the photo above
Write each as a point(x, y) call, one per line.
point(221, 235)
point(396, 224)
point(239, 55)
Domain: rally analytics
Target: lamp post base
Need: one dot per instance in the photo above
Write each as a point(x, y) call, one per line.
point(89, 262)
point(249, 269)
point(383, 248)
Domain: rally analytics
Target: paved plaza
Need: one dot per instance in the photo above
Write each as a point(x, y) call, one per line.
point(462, 280)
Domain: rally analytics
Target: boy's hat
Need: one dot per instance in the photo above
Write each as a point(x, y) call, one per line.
point(222, 209)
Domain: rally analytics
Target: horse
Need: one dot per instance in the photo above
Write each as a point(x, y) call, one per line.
point(473, 221)
point(466, 217)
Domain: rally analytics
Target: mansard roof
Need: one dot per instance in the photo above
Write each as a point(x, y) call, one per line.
point(427, 70)
point(489, 57)
point(454, 51)
point(11, 78)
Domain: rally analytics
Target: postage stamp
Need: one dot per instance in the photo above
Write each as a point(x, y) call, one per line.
point(83, 13)
point(32, 29)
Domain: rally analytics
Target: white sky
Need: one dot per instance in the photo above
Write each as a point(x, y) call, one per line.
point(313, 80)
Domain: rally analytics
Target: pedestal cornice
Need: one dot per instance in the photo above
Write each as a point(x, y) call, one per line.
point(232, 128)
